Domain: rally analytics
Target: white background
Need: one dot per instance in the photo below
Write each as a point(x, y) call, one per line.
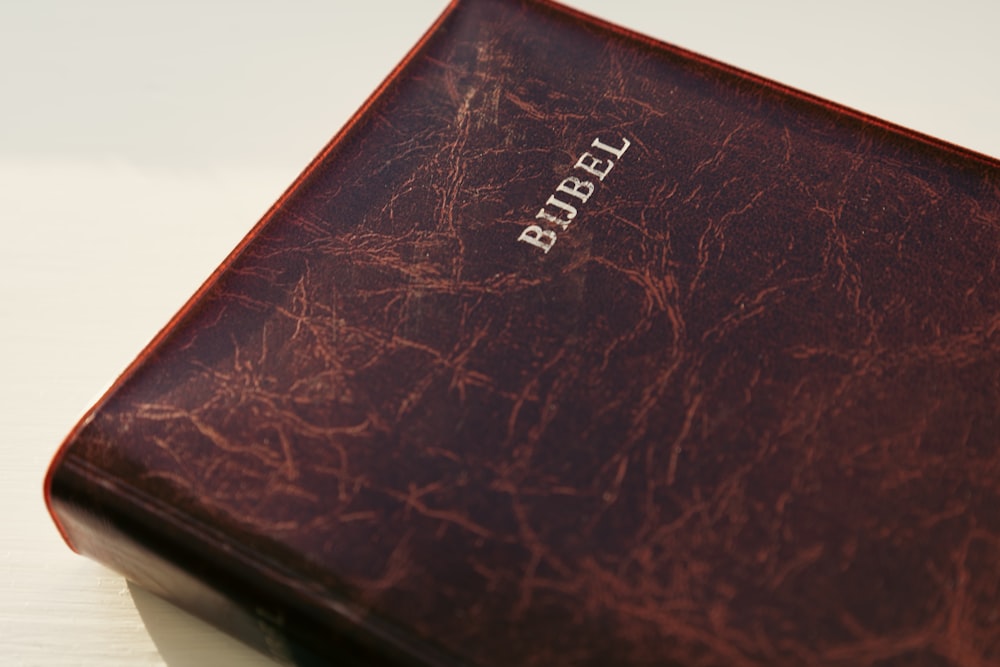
point(139, 141)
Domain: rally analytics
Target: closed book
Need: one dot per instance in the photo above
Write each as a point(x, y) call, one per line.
point(576, 348)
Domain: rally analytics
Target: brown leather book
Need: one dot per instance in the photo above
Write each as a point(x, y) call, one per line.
point(575, 348)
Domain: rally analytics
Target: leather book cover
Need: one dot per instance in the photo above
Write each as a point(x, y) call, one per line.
point(575, 348)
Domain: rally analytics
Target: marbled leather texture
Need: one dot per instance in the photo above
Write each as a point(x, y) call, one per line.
point(745, 412)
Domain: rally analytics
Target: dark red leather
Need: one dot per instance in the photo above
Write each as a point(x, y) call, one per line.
point(745, 411)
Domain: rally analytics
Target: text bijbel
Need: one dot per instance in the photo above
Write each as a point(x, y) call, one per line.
point(560, 209)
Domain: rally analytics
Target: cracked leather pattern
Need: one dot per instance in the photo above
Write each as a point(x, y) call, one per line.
point(745, 412)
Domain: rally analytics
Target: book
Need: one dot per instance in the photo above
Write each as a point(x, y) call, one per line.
point(577, 348)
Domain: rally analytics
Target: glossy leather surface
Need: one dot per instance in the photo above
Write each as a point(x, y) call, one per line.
point(744, 411)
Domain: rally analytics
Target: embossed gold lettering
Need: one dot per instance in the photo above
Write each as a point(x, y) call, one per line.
point(538, 237)
point(575, 187)
point(590, 164)
point(560, 204)
point(562, 222)
point(617, 152)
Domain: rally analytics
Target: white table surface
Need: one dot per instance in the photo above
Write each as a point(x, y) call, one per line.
point(139, 141)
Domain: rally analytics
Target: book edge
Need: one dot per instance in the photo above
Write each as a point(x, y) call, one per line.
point(63, 450)
point(832, 107)
point(347, 626)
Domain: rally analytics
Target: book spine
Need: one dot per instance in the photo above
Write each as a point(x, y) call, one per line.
point(99, 523)
point(99, 518)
